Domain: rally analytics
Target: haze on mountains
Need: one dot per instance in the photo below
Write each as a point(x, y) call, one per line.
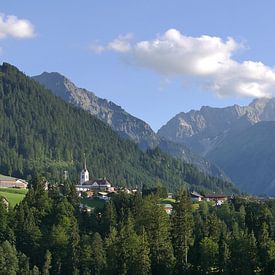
point(41, 133)
point(237, 138)
point(126, 125)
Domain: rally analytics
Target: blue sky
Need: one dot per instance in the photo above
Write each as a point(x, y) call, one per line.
point(98, 45)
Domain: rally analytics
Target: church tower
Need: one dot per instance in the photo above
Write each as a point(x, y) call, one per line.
point(84, 175)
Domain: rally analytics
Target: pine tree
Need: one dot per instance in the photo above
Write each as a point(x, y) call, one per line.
point(224, 253)
point(98, 255)
point(47, 263)
point(156, 222)
point(142, 261)
point(24, 265)
point(128, 242)
point(111, 244)
point(182, 228)
point(109, 218)
point(209, 250)
point(8, 259)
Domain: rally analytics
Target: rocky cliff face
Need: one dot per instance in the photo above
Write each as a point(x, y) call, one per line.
point(203, 130)
point(122, 122)
point(112, 114)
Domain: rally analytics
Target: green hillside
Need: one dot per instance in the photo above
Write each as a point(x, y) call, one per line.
point(41, 133)
point(248, 158)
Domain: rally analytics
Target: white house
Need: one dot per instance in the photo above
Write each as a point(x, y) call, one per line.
point(195, 196)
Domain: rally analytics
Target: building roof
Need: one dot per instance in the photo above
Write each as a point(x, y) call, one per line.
point(103, 193)
point(98, 182)
point(102, 182)
point(196, 194)
point(12, 182)
point(215, 196)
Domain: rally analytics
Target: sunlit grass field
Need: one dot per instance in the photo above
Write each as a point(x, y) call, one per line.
point(13, 195)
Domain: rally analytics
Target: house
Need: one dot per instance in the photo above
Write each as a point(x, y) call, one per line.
point(219, 199)
point(170, 195)
point(10, 182)
point(195, 196)
point(167, 207)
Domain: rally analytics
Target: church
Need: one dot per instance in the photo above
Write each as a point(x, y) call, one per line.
point(86, 184)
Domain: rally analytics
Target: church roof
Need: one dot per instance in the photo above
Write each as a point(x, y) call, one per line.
point(99, 182)
point(102, 182)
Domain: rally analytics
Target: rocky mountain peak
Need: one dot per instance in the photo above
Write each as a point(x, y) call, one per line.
point(202, 129)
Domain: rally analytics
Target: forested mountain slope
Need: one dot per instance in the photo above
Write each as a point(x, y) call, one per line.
point(126, 125)
point(40, 132)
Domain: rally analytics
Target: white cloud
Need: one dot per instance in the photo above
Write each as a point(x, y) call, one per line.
point(14, 27)
point(121, 44)
point(207, 58)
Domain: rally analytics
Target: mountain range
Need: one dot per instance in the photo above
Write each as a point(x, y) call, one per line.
point(237, 138)
point(126, 125)
point(41, 133)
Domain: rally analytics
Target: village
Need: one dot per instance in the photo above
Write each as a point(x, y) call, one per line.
point(102, 189)
point(96, 192)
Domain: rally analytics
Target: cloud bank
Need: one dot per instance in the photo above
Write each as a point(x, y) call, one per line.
point(11, 26)
point(208, 59)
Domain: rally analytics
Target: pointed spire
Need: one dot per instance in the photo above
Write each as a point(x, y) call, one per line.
point(85, 164)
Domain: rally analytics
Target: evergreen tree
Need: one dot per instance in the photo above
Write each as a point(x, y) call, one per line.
point(98, 255)
point(182, 228)
point(156, 222)
point(224, 253)
point(8, 259)
point(111, 244)
point(109, 219)
point(47, 263)
point(209, 251)
point(24, 266)
point(142, 260)
point(243, 253)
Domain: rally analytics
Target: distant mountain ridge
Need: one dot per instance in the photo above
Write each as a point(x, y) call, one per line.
point(239, 139)
point(122, 122)
point(202, 130)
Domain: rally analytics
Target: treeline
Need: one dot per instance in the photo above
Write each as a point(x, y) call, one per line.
point(48, 234)
point(40, 133)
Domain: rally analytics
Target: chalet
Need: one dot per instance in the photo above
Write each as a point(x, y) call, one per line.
point(219, 199)
point(9, 182)
point(195, 196)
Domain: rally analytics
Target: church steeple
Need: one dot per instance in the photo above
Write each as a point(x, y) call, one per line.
point(84, 175)
point(85, 164)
